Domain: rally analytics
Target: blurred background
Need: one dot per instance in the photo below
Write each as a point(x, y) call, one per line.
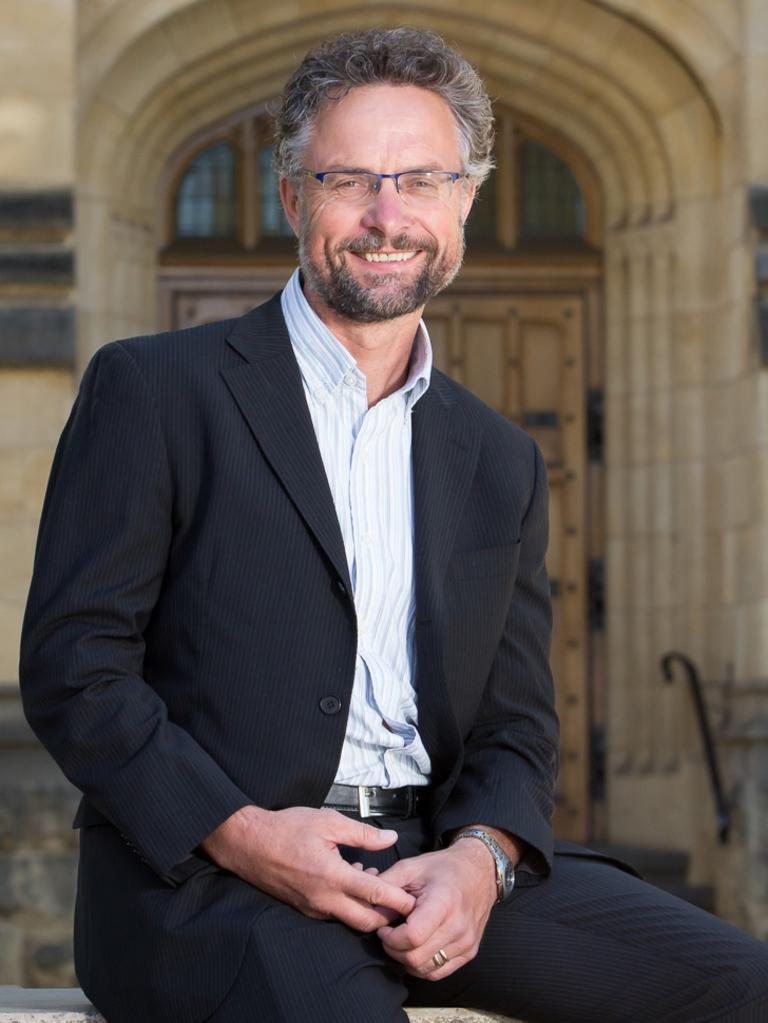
point(614, 303)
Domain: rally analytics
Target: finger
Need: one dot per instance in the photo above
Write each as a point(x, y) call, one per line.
point(420, 927)
point(407, 873)
point(357, 834)
point(368, 870)
point(392, 917)
point(358, 915)
point(445, 971)
point(421, 961)
point(374, 891)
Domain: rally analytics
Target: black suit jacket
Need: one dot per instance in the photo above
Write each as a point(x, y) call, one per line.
point(189, 639)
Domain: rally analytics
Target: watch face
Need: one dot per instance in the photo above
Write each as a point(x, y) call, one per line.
point(509, 879)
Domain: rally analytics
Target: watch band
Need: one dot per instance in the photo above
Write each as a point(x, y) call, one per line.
point(505, 872)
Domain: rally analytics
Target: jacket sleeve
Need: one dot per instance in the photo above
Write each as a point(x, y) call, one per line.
point(511, 754)
point(102, 549)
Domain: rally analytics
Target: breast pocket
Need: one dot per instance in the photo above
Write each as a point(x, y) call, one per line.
point(484, 563)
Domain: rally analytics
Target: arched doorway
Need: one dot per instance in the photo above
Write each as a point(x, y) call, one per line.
point(632, 92)
point(520, 327)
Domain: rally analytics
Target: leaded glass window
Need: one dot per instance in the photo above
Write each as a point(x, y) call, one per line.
point(551, 204)
point(273, 221)
point(228, 195)
point(206, 201)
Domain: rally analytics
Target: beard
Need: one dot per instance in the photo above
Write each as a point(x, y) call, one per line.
point(388, 296)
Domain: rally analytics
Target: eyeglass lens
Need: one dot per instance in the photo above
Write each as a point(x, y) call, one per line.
point(413, 186)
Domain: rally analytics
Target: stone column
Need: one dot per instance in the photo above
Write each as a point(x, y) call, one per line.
point(36, 282)
point(619, 711)
point(664, 579)
point(639, 650)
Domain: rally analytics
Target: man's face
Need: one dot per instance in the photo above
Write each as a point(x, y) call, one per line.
point(387, 129)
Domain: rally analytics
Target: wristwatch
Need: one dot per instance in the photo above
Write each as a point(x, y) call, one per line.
point(505, 871)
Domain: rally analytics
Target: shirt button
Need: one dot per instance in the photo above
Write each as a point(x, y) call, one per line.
point(330, 705)
point(350, 379)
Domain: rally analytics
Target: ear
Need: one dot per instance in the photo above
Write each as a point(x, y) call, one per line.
point(289, 197)
point(467, 198)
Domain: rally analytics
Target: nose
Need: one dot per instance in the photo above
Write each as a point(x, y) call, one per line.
point(386, 211)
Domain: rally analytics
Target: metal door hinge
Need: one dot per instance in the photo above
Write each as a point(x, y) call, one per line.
point(596, 594)
point(595, 423)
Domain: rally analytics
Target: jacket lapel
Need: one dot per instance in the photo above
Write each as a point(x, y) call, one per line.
point(268, 390)
point(445, 449)
point(445, 445)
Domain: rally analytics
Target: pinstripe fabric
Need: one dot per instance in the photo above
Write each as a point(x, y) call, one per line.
point(189, 641)
point(189, 647)
point(367, 458)
point(589, 944)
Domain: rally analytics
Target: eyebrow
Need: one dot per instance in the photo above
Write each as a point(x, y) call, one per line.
point(426, 167)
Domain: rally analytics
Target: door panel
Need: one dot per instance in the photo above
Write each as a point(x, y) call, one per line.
point(524, 357)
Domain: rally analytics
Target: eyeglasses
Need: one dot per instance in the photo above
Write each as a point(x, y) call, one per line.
point(416, 187)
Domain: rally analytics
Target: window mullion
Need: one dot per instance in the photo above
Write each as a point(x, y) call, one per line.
point(250, 226)
point(507, 183)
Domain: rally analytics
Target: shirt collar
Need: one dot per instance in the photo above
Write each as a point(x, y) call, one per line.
point(324, 361)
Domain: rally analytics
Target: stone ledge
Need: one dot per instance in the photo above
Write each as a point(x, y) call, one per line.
point(69, 1005)
point(46, 1005)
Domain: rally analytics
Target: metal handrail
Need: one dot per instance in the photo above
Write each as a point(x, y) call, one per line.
point(723, 810)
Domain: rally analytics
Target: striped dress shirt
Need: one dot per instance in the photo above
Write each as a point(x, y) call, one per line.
point(367, 457)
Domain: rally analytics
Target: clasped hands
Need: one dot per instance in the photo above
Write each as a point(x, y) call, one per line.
point(438, 901)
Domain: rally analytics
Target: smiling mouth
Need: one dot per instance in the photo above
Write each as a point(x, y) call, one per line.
point(387, 257)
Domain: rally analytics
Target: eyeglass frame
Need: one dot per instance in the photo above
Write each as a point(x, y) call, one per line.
point(321, 175)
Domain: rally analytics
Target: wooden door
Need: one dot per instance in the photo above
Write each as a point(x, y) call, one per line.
point(524, 356)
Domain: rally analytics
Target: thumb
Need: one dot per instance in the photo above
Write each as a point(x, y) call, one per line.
point(360, 835)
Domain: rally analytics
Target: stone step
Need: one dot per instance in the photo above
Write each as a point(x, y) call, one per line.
point(69, 1005)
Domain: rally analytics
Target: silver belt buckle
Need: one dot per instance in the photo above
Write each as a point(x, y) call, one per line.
point(363, 801)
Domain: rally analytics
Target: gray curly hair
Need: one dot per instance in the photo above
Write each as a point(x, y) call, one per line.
point(398, 56)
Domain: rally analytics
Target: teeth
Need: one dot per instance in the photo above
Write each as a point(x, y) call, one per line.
point(387, 257)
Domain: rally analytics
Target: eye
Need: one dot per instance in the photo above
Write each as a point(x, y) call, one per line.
point(424, 184)
point(347, 183)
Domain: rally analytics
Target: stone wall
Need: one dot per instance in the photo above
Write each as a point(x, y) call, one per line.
point(37, 345)
point(38, 867)
point(37, 317)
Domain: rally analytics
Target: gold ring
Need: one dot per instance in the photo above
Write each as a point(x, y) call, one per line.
point(439, 958)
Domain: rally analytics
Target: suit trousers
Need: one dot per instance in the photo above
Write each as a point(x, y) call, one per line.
point(590, 943)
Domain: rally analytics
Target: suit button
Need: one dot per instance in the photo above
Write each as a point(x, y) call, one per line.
point(330, 705)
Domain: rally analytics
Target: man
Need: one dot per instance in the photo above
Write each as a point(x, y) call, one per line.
point(288, 633)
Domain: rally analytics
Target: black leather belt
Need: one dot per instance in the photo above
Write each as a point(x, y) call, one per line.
point(372, 801)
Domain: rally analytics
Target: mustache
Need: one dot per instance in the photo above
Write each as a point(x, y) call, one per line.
point(376, 242)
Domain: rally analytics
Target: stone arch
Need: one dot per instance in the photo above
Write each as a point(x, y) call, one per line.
point(648, 100)
point(154, 74)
